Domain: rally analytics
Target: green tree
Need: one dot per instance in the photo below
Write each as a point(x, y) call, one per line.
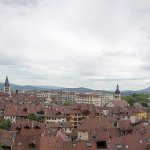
point(144, 104)
point(33, 117)
point(1, 146)
point(66, 103)
point(5, 124)
point(131, 99)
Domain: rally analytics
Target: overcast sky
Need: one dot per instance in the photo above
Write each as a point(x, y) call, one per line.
point(74, 43)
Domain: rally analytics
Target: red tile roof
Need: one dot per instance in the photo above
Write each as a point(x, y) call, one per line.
point(93, 123)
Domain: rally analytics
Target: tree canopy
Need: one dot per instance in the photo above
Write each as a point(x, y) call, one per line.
point(33, 117)
point(5, 124)
point(131, 99)
point(66, 103)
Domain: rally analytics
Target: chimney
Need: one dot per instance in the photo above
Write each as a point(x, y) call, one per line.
point(32, 125)
point(148, 146)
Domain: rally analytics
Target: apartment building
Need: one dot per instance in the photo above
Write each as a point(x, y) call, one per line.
point(59, 96)
point(100, 99)
point(46, 94)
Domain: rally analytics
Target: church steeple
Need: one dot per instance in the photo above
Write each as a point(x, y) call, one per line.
point(117, 90)
point(117, 94)
point(7, 86)
point(7, 82)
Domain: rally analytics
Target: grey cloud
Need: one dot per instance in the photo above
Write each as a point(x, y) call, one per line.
point(116, 79)
point(86, 73)
point(148, 37)
point(19, 2)
point(75, 42)
point(144, 10)
point(9, 61)
point(145, 66)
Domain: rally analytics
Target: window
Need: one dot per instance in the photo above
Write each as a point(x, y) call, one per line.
point(75, 123)
point(126, 146)
point(25, 109)
point(75, 119)
point(101, 144)
point(37, 127)
point(26, 127)
point(148, 139)
point(88, 144)
point(79, 119)
point(141, 141)
point(119, 146)
point(32, 145)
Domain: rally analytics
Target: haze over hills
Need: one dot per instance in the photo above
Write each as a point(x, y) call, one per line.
point(30, 87)
point(78, 89)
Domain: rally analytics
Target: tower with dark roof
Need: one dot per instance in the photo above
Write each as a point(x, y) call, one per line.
point(7, 86)
point(117, 94)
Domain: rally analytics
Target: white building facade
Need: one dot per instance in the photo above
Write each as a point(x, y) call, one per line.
point(97, 99)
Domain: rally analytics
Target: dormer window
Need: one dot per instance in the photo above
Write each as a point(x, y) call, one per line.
point(148, 139)
point(19, 144)
point(119, 146)
point(41, 112)
point(25, 109)
point(88, 144)
point(126, 146)
point(101, 144)
point(37, 127)
point(141, 141)
point(18, 129)
point(32, 144)
point(58, 113)
point(26, 127)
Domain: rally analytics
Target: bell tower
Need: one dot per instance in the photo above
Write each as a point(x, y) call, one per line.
point(117, 94)
point(7, 86)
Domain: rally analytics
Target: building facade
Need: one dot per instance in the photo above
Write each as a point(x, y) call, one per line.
point(97, 99)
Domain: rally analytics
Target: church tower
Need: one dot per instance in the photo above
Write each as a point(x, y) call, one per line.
point(7, 86)
point(117, 94)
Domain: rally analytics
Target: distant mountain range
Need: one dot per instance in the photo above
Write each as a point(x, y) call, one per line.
point(30, 87)
point(79, 89)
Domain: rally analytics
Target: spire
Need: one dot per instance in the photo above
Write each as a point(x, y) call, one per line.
point(7, 82)
point(117, 86)
point(117, 90)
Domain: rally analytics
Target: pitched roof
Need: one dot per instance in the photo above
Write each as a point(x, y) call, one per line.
point(93, 123)
point(124, 124)
point(30, 142)
point(132, 141)
point(45, 143)
point(119, 103)
point(10, 110)
point(7, 138)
